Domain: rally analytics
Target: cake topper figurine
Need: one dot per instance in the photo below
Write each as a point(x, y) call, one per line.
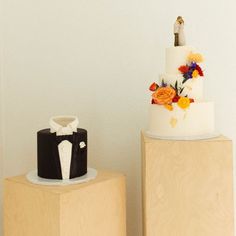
point(179, 32)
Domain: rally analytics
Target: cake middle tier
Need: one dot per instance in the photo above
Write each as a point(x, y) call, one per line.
point(193, 88)
point(198, 119)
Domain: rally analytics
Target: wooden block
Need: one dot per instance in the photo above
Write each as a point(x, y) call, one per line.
point(91, 209)
point(187, 187)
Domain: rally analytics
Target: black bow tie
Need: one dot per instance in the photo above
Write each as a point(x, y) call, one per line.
point(60, 138)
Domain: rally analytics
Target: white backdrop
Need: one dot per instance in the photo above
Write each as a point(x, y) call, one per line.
point(96, 59)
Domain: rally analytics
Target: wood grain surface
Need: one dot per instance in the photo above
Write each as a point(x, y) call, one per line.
point(94, 208)
point(187, 187)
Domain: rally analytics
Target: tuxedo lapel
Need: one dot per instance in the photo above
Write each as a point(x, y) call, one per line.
point(79, 155)
point(73, 155)
point(56, 158)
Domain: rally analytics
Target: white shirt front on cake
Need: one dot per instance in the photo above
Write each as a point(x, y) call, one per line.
point(64, 125)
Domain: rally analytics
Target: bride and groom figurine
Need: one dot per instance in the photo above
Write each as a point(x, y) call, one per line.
point(179, 32)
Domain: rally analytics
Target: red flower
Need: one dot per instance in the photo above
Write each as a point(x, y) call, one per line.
point(153, 87)
point(199, 69)
point(176, 99)
point(184, 69)
point(191, 100)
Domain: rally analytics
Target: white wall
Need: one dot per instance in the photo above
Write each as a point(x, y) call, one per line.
point(96, 59)
point(1, 115)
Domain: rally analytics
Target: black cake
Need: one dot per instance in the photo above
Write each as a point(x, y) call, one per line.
point(49, 165)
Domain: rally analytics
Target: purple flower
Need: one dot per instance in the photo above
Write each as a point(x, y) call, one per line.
point(189, 74)
point(163, 84)
point(193, 65)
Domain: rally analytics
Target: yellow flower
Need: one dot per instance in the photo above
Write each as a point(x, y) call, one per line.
point(169, 107)
point(196, 57)
point(184, 102)
point(195, 74)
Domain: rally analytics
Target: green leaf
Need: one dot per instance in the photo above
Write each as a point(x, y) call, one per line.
point(181, 90)
point(176, 85)
point(185, 79)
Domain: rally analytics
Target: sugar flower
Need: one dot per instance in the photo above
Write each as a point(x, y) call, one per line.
point(195, 57)
point(153, 87)
point(199, 69)
point(169, 107)
point(163, 95)
point(184, 102)
point(184, 69)
point(195, 73)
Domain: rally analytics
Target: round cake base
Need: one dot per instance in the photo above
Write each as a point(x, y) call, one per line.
point(184, 138)
point(33, 177)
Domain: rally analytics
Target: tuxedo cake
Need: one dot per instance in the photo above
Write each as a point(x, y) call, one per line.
point(62, 149)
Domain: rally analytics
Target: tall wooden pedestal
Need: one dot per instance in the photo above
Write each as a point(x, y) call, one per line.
point(96, 208)
point(187, 187)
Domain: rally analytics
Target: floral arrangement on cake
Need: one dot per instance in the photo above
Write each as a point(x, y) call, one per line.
point(192, 70)
point(166, 95)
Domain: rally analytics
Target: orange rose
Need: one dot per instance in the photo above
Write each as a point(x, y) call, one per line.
point(164, 95)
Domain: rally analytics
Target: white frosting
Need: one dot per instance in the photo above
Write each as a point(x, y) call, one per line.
point(193, 87)
point(176, 57)
point(198, 119)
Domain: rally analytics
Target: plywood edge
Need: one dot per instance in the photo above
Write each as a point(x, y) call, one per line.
point(143, 176)
point(86, 186)
point(102, 177)
point(147, 139)
point(21, 180)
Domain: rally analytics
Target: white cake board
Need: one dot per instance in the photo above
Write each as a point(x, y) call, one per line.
point(184, 138)
point(33, 177)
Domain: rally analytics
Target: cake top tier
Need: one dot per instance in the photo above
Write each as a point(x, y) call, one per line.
point(176, 57)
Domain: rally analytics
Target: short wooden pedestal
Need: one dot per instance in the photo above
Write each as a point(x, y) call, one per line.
point(187, 187)
point(96, 208)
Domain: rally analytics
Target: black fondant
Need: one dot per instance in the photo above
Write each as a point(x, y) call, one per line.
point(48, 156)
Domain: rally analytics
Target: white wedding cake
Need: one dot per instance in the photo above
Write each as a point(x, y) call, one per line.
point(178, 107)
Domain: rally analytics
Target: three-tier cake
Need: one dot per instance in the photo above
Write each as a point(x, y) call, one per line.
point(178, 107)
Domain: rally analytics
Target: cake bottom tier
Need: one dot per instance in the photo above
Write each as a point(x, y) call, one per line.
point(198, 119)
